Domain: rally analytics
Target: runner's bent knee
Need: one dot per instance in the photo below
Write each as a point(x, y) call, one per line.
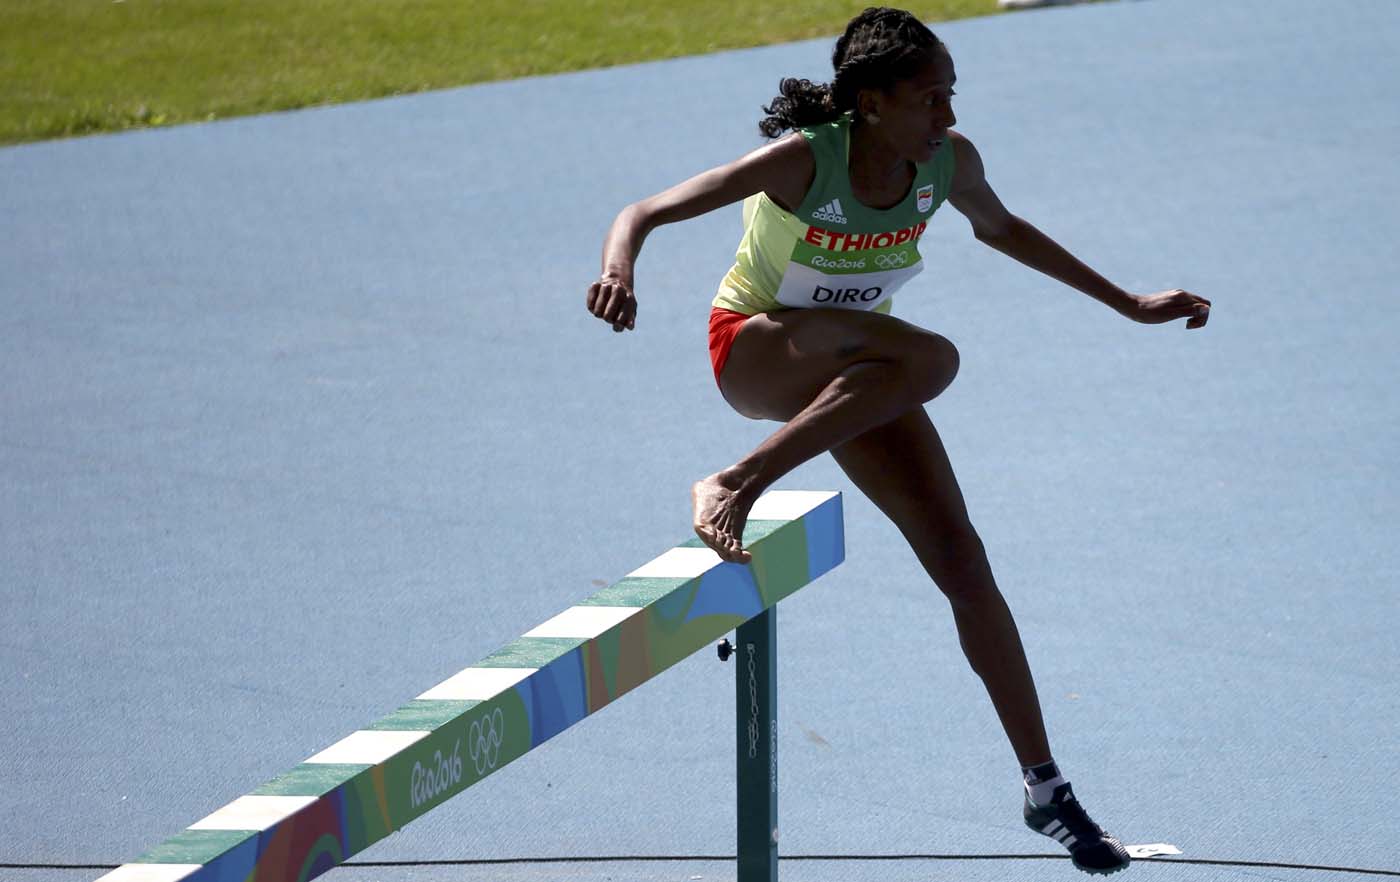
point(933, 366)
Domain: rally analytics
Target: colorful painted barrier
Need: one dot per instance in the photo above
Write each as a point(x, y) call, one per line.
point(374, 781)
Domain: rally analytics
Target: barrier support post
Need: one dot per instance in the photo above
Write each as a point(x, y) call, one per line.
point(756, 728)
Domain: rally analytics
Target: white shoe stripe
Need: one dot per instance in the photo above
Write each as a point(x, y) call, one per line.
point(1070, 842)
point(1063, 835)
point(1050, 828)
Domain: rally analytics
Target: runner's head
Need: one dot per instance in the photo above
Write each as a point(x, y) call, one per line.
point(882, 53)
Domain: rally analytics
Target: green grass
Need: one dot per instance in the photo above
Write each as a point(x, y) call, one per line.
point(73, 67)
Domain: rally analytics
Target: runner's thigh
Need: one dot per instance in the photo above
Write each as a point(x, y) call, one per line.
point(780, 361)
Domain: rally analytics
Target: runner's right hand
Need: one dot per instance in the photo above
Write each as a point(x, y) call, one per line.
point(611, 299)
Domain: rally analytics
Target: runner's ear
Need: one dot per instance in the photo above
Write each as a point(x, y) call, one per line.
point(868, 105)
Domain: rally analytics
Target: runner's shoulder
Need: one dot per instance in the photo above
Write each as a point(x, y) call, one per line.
point(967, 162)
point(786, 168)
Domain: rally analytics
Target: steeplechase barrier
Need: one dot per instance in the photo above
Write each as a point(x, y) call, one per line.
point(371, 783)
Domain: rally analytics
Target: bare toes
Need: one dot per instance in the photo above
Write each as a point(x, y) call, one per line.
point(718, 512)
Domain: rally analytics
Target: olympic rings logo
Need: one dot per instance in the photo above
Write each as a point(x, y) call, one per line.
point(444, 773)
point(484, 741)
point(891, 261)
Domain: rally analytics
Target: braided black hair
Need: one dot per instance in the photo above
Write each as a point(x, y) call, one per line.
point(880, 47)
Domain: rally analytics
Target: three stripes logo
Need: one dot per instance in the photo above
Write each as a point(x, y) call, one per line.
point(831, 213)
point(1060, 833)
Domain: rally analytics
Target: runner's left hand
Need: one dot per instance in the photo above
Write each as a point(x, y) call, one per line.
point(1166, 306)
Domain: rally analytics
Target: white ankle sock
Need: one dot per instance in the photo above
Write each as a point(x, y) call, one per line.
point(1041, 781)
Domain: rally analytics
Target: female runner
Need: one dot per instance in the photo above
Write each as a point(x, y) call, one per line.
point(800, 333)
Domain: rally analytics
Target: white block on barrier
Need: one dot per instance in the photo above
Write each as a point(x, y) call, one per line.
point(583, 621)
point(367, 747)
point(788, 505)
point(253, 813)
point(477, 684)
point(150, 873)
point(678, 563)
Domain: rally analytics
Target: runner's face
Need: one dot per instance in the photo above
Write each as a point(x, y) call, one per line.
point(914, 117)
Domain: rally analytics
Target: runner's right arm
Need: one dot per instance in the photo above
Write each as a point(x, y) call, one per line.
point(783, 169)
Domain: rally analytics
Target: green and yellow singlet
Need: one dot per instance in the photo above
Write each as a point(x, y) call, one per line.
point(834, 251)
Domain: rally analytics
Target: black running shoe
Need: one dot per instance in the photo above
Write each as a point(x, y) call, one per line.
point(1064, 820)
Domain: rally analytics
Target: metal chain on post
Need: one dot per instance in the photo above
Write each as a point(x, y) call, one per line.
point(756, 729)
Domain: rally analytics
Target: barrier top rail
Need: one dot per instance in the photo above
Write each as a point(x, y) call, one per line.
point(343, 799)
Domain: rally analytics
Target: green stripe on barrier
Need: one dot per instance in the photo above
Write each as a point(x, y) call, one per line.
point(419, 715)
point(316, 779)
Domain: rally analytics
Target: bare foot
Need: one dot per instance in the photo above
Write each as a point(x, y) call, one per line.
point(720, 514)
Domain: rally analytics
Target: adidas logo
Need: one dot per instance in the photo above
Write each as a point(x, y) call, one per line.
point(830, 212)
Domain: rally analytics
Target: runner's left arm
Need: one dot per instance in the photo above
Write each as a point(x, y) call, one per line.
point(993, 225)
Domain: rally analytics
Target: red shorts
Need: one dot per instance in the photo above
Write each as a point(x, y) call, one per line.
point(724, 327)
